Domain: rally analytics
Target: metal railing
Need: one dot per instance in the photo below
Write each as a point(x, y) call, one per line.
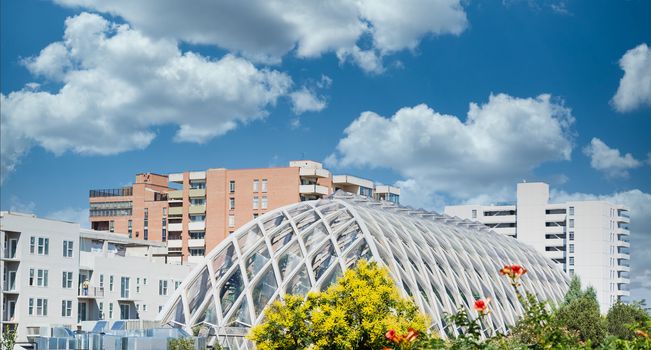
point(111, 192)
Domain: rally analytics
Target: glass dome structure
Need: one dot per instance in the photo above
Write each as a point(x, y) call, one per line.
point(441, 262)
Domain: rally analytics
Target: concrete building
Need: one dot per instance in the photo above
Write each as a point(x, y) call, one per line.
point(195, 210)
point(54, 273)
point(587, 238)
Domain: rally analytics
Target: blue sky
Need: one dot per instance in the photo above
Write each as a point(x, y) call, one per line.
point(561, 93)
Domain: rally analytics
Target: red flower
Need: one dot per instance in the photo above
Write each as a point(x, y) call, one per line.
point(513, 271)
point(391, 335)
point(412, 334)
point(481, 305)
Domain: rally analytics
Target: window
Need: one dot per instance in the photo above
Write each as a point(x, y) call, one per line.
point(110, 310)
point(101, 281)
point(365, 191)
point(264, 185)
point(231, 203)
point(37, 307)
point(474, 213)
point(145, 230)
point(101, 310)
point(231, 186)
point(66, 308)
point(197, 234)
point(571, 272)
point(571, 210)
point(144, 307)
point(66, 281)
point(111, 283)
point(164, 225)
point(144, 281)
point(138, 285)
point(130, 228)
point(43, 246)
point(571, 223)
point(67, 249)
point(255, 185)
point(197, 251)
point(32, 244)
point(197, 201)
point(160, 308)
point(124, 287)
point(231, 220)
point(571, 248)
point(255, 202)
point(264, 202)
point(571, 261)
point(197, 185)
point(197, 218)
point(38, 277)
point(111, 226)
point(162, 287)
point(255, 215)
point(571, 236)
point(177, 284)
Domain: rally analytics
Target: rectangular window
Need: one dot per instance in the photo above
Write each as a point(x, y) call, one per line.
point(571, 210)
point(198, 185)
point(571, 223)
point(231, 203)
point(264, 185)
point(571, 248)
point(101, 281)
point(110, 310)
point(197, 251)
point(474, 213)
point(32, 244)
point(111, 283)
point(231, 220)
point(177, 284)
point(101, 310)
point(145, 230)
point(37, 307)
point(66, 281)
point(197, 218)
point(571, 236)
point(162, 287)
point(111, 226)
point(138, 285)
point(40, 245)
point(231, 186)
point(38, 277)
point(197, 201)
point(255, 202)
point(67, 249)
point(571, 261)
point(264, 202)
point(130, 228)
point(164, 229)
point(31, 277)
point(144, 281)
point(255, 185)
point(124, 287)
point(66, 308)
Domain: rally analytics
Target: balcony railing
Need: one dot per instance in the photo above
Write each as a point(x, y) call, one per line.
point(111, 192)
point(91, 292)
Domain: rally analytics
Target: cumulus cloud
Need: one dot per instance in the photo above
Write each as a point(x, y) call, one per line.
point(635, 86)
point(609, 160)
point(265, 31)
point(500, 142)
point(118, 83)
point(305, 100)
point(639, 204)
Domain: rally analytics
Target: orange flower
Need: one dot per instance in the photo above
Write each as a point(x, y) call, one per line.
point(513, 271)
point(481, 305)
point(640, 333)
point(391, 335)
point(412, 334)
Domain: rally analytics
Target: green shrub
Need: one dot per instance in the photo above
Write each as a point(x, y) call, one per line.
point(621, 317)
point(181, 344)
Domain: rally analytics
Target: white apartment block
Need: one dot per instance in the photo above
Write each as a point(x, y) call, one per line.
point(54, 273)
point(589, 239)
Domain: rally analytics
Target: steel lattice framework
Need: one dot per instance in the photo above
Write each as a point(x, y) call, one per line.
point(443, 263)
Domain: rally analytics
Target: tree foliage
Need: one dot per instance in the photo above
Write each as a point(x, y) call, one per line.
point(354, 313)
point(622, 317)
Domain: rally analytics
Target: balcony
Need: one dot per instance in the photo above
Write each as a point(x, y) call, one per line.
point(196, 243)
point(178, 177)
point(127, 296)
point(623, 243)
point(9, 286)
point(555, 230)
point(623, 293)
point(174, 243)
point(91, 293)
point(175, 195)
point(555, 217)
point(197, 175)
point(623, 219)
point(499, 219)
point(554, 242)
point(312, 172)
point(197, 226)
point(197, 192)
point(9, 254)
point(625, 256)
point(197, 209)
point(175, 211)
point(507, 231)
point(313, 189)
point(111, 192)
point(557, 254)
point(620, 280)
point(177, 227)
point(623, 268)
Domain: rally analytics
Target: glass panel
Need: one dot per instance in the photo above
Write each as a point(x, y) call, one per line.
point(339, 219)
point(322, 260)
point(300, 283)
point(290, 259)
point(314, 237)
point(282, 237)
point(360, 251)
point(331, 278)
point(264, 290)
point(348, 235)
point(250, 238)
point(198, 289)
point(241, 317)
point(306, 220)
point(209, 314)
point(231, 290)
point(328, 209)
point(179, 315)
point(297, 210)
point(274, 222)
point(256, 260)
point(224, 260)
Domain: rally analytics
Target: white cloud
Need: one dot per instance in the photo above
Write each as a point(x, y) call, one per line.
point(265, 30)
point(78, 215)
point(501, 142)
point(639, 204)
point(609, 160)
point(305, 100)
point(635, 86)
point(118, 83)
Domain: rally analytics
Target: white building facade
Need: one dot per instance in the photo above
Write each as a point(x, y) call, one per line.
point(589, 239)
point(54, 273)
